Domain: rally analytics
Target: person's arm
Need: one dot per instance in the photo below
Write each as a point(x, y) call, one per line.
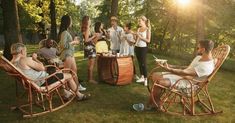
point(57, 52)
point(177, 66)
point(130, 39)
point(86, 36)
point(148, 37)
point(97, 36)
point(184, 72)
point(108, 34)
point(34, 63)
point(75, 41)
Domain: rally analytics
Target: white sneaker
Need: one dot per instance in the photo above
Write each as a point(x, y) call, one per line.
point(145, 82)
point(80, 88)
point(67, 93)
point(140, 80)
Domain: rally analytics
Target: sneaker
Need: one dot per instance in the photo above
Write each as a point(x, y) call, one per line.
point(138, 107)
point(145, 82)
point(81, 88)
point(140, 80)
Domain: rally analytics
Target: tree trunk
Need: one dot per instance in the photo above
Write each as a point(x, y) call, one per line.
point(53, 34)
point(11, 27)
point(41, 31)
point(114, 8)
point(200, 26)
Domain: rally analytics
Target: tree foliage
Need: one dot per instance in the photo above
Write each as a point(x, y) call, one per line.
point(174, 27)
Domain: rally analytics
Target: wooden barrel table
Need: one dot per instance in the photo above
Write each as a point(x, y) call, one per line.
point(115, 70)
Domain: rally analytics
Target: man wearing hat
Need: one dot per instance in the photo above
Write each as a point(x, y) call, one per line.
point(115, 33)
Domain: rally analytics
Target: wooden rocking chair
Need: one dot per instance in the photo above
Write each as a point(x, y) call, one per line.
point(40, 100)
point(195, 98)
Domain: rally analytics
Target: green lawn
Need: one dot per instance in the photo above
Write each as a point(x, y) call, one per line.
point(113, 104)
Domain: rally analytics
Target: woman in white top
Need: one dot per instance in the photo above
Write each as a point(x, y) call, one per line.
point(143, 38)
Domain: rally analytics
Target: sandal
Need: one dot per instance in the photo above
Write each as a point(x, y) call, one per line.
point(84, 97)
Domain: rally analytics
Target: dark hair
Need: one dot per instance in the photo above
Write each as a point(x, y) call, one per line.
point(128, 25)
point(207, 44)
point(97, 27)
point(84, 23)
point(65, 23)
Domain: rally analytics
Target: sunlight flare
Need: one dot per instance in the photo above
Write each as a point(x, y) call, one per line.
point(183, 2)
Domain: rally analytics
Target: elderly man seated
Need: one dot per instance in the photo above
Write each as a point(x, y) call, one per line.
point(34, 69)
point(201, 67)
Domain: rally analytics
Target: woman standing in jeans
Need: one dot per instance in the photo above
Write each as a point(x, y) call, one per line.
point(143, 38)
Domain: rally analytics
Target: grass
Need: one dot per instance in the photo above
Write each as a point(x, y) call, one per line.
point(113, 104)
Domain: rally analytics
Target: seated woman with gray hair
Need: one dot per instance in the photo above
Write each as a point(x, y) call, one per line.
point(34, 69)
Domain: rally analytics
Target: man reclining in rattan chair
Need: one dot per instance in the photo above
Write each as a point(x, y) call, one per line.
point(34, 69)
point(201, 67)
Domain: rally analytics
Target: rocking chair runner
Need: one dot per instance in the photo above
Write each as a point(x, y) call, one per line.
point(36, 94)
point(194, 94)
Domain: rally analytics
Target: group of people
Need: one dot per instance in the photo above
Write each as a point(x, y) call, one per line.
point(122, 41)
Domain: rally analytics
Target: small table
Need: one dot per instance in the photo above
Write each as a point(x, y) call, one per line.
point(115, 70)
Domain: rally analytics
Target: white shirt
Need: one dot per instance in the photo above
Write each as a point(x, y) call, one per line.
point(115, 37)
point(202, 68)
point(139, 42)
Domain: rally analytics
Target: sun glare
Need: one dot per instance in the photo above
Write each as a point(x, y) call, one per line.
point(183, 2)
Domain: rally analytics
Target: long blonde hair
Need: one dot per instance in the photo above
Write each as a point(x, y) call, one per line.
point(146, 20)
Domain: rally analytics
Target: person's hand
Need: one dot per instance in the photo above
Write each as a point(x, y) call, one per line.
point(164, 66)
point(34, 56)
point(76, 40)
point(99, 35)
point(139, 35)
